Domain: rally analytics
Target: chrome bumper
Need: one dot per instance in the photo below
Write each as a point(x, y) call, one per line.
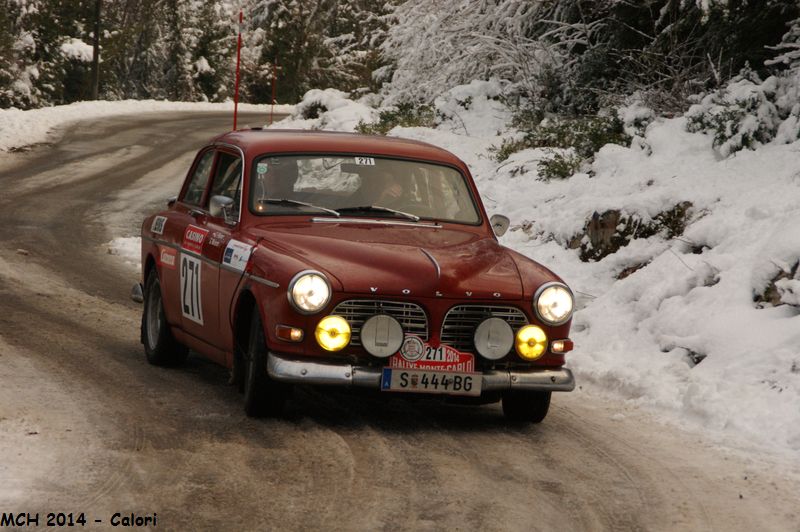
point(309, 372)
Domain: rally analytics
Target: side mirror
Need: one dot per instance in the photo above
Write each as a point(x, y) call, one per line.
point(500, 224)
point(171, 201)
point(221, 207)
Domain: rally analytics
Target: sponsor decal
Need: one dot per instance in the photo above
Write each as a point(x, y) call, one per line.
point(418, 354)
point(193, 238)
point(237, 254)
point(158, 224)
point(216, 239)
point(413, 348)
point(365, 161)
point(167, 258)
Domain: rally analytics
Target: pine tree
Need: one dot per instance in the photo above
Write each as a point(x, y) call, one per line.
point(215, 52)
point(788, 49)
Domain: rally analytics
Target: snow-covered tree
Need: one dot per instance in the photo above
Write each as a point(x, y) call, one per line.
point(788, 51)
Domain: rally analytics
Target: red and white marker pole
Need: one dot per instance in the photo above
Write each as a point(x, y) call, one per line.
point(238, 61)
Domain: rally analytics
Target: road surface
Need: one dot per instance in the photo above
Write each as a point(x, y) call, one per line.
point(86, 425)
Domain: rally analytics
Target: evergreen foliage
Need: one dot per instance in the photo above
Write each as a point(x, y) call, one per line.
point(186, 49)
point(576, 57)
point(565, 57)
point(405, 115)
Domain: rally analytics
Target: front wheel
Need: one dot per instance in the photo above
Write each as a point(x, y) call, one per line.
point(262, 395)
point(526, 406)
point(160, 346)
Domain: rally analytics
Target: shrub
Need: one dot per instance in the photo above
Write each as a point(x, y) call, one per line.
point(405, 115)
point(748, 112)
point(559, 165)
point(585, 135)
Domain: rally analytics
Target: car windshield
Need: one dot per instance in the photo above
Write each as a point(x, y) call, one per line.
point(360, 186)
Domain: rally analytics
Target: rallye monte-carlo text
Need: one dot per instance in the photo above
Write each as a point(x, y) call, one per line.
point(296, 257)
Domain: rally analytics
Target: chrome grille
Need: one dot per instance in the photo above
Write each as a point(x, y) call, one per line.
point(460, 322)
point(357, 311)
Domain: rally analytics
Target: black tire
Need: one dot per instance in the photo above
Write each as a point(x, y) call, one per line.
point(263, 397)
point(526, 407)
point(160, 346)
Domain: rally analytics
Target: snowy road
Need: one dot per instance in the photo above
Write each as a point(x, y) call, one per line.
point(87, 426)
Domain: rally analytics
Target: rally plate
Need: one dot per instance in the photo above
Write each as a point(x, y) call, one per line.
point(428, 381)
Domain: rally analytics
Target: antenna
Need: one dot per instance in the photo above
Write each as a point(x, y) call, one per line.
point(238, 61)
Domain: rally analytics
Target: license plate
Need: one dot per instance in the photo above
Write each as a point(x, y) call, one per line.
point(426, 381)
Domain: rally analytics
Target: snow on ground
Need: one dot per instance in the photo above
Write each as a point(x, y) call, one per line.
point(22, 128)
point(633, 336)
point(128, 249)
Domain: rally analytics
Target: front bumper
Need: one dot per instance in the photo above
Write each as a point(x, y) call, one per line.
point(326, 373)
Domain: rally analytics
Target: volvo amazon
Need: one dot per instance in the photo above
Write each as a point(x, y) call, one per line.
point(296, 257)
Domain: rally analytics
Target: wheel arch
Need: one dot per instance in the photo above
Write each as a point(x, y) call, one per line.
point(242, 317)
point(149, 265)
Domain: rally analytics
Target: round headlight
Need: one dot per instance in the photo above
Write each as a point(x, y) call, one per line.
point(553, 303)
point(531, 342)
point(333, 333)
point(309, 292)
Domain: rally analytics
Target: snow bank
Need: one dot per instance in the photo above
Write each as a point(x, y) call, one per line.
point(22, 128)
point(329, 109)
point(640, 337)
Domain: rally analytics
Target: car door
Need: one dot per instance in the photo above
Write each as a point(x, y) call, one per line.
point(226, 255)
point(197, 276)
point(173, 230)
point(234, 247)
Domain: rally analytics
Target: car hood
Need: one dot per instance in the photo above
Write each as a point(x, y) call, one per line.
point(404, 260)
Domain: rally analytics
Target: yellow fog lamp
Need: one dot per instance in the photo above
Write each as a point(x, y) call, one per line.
point(531, 342)
point(333, 333)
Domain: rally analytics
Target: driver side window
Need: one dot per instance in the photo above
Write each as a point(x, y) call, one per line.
point(197, 185)
point(228, 179)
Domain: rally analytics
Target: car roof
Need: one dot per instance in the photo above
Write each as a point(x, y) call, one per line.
point(256, 141)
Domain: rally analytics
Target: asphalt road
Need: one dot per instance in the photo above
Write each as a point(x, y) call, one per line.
point(86, 425)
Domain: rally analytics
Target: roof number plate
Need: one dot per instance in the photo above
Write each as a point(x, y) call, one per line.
point(365, 161)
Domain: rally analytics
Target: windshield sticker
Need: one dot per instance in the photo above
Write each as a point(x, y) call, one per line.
point(365, 161)
point(193, 239)
point(262, 168)
point(237, 254)
point(158, 225)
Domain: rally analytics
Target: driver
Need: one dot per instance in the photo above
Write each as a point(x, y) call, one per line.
point(385, 189)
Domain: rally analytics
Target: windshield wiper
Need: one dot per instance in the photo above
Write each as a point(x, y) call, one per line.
point(285, 201)
point(379, 208)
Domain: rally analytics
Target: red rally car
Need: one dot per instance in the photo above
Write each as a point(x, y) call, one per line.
point(296, 257)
